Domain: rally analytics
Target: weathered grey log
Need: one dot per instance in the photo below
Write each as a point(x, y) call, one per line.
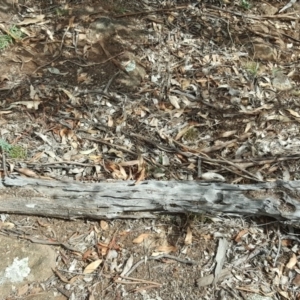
point(123, 199)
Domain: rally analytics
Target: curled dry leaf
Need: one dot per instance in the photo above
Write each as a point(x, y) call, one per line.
point(164, 249)
point(60, 276)
point(102, 248)
point(141, 238)
point(293, 113)
point(6, 225)
point(89, 254)
point(103, 225)
point(92, 266)
point(174, 101)
point(27, 21)
point(129, 163)
point(70, 95)
point(29, 104)
point(23, 290)
point(182, 132)
point(189, 237)
point(228, 133)
point(292, 262)
point(43, 224)
point(212, 176)
point(27, 172)
point(240, 235)
point(141, 176)
point(89, 151)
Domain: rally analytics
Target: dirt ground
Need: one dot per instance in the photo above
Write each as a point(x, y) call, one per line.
point(155, 90)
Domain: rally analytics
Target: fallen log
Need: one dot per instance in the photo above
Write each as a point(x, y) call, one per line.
point(123, 199)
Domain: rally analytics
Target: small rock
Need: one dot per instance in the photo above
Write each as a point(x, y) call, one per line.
point(281, 82)
point(22, 262)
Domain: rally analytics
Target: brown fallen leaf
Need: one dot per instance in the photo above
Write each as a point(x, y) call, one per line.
point(292, 262)
point(189, 237)
point(60, 276)
point(23, 290)
point(28, 172)
point(6, 225)
point(141, 238)
point(89, 254)
point(104, 225)
point(43, 224)
point(92, 266)
point(240, 235)
point(164, 249)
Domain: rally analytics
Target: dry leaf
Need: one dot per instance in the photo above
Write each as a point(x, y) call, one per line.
point(140, 238)
point(185, 83)
point(36, 157)
point(129, 163)
point(92, 266)
point(284, 294)
point(278, 118)
point(228, 133)
point(293, 113)
point(89, 151)
point(286, 243)
point(43, 224)
point(60, 276)
point(28, 172)
point(141, 176)
point(166, 249)
point(28, 21)
point(70, 95)
point(29, 104)
point(103, 225)
point(207, 237)
point(174, 101)
point(240, 235)
point(102, 248)
point(212, 176)
point(220, 258)
point(292, 262)
point(296, 280)
point(23, 290)
point(127, 266)
point(125, 232)
point(6, 225)
point(182, 132)
point(110, 122)
point(189, 237)
point(82, 77)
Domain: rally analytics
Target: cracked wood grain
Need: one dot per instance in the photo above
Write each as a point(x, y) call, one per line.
point(123, 199)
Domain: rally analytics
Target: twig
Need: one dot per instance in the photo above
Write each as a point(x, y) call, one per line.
point(254, 17)
point(109, 83)
point(137, 280)
point(146, 287)
point(149, 12)
point(39, 241)
point(184, 261)
point(279, 247)
point(116, 63)
point(241, 169)
point(49, 63)
point(93, 64)
point(3, 162)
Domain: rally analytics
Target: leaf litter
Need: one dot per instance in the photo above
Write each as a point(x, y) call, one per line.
point(157, 90)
